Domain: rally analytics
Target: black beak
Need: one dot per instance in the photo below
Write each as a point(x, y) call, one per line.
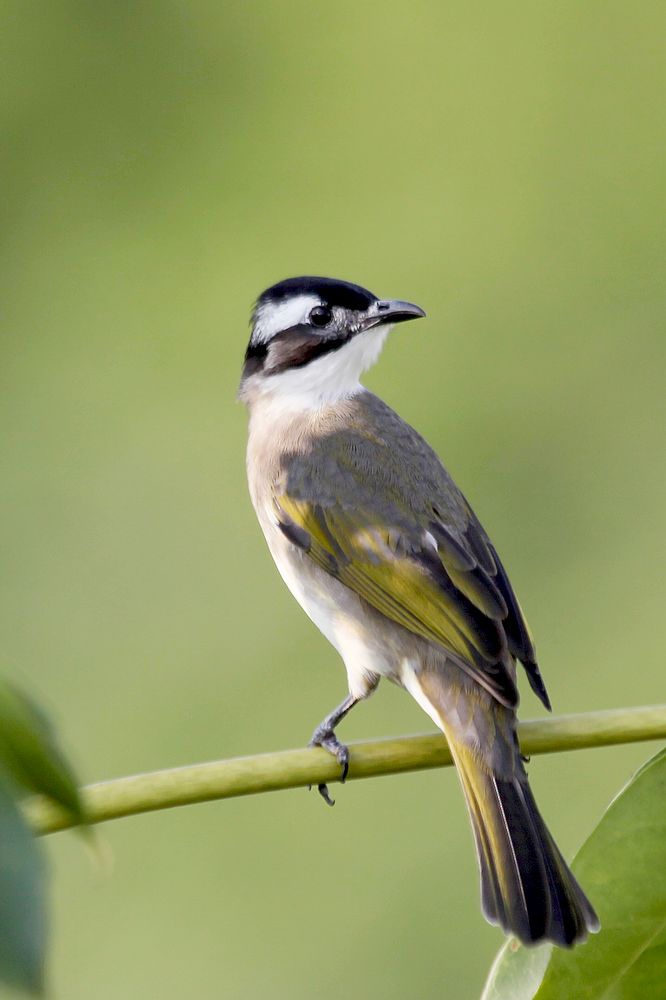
point(391, 311)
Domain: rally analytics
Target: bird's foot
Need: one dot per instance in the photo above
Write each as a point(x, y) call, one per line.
point(325, 737)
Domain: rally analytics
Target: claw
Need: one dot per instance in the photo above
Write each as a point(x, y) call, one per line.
point(323, 791)
point(327, 740)
point(324, 736)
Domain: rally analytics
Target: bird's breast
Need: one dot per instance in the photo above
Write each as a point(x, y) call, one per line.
point(322, 598)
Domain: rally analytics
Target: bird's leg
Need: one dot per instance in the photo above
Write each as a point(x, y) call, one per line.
point(324, 736)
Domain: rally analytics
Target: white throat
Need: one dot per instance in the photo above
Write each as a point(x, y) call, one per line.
point(328, 379)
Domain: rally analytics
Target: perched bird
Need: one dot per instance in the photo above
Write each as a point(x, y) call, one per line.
point(385, 555)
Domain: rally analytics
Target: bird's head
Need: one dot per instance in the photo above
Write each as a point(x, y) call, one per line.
point(312, 338)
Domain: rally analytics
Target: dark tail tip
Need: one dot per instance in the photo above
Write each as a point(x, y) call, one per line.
point(527, 886)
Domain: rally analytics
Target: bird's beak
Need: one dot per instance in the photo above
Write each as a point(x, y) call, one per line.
point(390, 311)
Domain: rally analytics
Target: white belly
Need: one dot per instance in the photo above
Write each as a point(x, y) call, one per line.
point(335, 609)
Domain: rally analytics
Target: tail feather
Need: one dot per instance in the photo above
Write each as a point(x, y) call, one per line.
point(526, 885)
point(572, 909)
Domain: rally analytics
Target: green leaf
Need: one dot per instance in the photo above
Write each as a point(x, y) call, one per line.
point(29, 752)
point(22, 900)
point(516, 972)
point(622, 866)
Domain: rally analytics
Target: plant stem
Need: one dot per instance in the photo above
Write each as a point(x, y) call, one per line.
point(270, 772)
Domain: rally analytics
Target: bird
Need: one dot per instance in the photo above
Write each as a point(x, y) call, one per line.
point(383, 552)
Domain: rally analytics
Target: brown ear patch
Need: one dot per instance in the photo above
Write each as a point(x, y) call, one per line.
point(297, 347)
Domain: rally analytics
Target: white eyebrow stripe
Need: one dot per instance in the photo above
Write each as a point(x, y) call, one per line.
point(273, 317)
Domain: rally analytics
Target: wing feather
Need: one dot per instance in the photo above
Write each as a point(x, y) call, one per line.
point(411, 546)
point(409, 584)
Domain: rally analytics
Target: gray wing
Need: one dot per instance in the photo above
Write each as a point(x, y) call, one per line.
point(373, 505)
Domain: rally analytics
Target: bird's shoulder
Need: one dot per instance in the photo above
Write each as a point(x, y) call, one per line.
point(365, 455)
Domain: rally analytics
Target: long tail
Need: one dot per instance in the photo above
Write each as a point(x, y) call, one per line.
point(526, 885)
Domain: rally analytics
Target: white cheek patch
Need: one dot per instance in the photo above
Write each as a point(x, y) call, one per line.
point(327, 379)
point(273, 317)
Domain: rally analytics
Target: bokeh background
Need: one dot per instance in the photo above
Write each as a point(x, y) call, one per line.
point(502, 165)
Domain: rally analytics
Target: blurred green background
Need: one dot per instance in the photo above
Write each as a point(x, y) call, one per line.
point(500, 164)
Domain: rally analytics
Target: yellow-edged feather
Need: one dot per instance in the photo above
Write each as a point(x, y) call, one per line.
point(368, 559)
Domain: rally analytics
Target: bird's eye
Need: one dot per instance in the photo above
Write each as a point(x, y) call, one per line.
point(321, 316)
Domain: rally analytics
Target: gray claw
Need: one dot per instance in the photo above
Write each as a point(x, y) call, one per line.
point(327, 740)
point(323, 791)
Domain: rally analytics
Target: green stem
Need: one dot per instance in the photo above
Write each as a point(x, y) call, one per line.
point(270, 772)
